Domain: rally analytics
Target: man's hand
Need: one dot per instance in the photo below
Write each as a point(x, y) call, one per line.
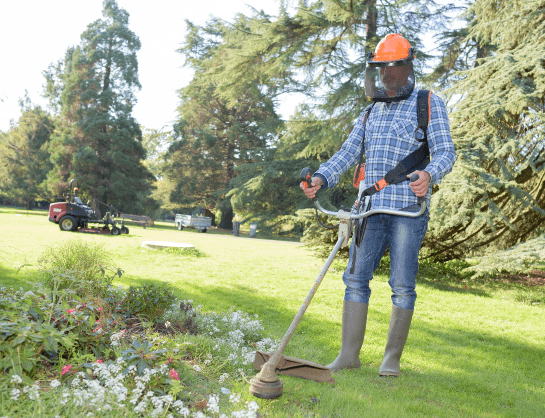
point(315, 184)
point(420, 186)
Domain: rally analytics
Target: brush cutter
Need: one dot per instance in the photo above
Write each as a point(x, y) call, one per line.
point(266, 384)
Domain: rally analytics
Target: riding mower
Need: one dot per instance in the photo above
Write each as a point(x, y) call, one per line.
point(74, 215)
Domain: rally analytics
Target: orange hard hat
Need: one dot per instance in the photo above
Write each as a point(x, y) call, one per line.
point(393, 47)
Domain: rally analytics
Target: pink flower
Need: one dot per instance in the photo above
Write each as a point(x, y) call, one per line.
point(99, 309)
point(66, 369)
point(70, 310)
point(99, 361)
point(174, 375)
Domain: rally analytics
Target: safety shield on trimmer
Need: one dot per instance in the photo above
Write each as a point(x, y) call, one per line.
point(291, 366)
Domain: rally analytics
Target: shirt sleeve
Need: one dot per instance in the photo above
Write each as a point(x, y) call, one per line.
point(330, 171)
point(440, 143)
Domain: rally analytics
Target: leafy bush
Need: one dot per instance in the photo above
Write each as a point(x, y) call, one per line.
point(25, 338)
point(91, 327)
point(148, 301)
point(84, 268)
point(182, 314)
point(103, 370)
point(36, 328)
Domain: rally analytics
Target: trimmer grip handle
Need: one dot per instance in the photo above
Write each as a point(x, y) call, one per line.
point(421, 199)
point(305, 176)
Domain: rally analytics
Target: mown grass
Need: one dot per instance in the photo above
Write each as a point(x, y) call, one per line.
point(476, 348)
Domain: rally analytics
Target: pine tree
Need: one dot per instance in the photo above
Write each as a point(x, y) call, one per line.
point(97, 140)
point(215, 137)
point(24, 158)
point(495, 196)
point(320, 51)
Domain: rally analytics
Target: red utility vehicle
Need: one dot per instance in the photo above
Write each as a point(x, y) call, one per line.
point(74, 215)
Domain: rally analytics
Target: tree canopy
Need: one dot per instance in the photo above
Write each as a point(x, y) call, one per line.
point(97, 140)
point(213, 137)
point(24, 155)
point(492, 67)
point(495, 196)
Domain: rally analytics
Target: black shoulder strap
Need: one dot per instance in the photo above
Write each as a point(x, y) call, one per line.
point(423, 112)
point(364, 120)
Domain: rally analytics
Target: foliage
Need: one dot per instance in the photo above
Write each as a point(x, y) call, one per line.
point(82, 267)
point(213, 137)
point(24, 155)
point(521, 258)
point(26, 340)
point(494, 198)
point(36, 332)
point(317, 49)
point(96, 139)
point(148, 301)
point(182, 314)
point(458, 50)
point(140, 354)
point(321, 240)
point(156, 143)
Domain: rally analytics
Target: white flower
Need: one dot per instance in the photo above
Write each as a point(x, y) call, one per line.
point(16, 379)
point(55, 383)
point(33, 391)
point(213, 404)
point(197, 368)
point(234, 398)
point(15, 393)
point(253, 406)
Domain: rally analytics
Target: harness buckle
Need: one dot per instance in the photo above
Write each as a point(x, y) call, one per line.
point(381, 184)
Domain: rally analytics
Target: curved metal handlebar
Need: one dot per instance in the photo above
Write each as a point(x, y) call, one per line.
point(342, 214)
point(349, 215)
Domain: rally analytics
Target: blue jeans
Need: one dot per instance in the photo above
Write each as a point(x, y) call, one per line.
point(404, 236)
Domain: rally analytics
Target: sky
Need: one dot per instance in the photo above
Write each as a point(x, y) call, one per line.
point(37, 33)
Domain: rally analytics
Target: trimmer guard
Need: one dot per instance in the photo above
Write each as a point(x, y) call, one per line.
point(291, 366)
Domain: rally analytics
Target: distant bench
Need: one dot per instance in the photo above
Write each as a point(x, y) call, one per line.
point(137, 219)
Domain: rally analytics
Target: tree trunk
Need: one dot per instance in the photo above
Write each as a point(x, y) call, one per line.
point(226, 217)
point(371, 27)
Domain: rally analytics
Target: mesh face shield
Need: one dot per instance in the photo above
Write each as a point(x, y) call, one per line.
point(389, 81)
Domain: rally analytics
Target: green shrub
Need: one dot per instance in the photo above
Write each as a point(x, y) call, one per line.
point(148, 301)
point(84, 268)
point(26, 339)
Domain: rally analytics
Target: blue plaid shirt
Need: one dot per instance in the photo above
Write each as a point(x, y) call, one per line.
point(389, 137)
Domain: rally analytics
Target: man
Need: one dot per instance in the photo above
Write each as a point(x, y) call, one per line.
point(388, 134)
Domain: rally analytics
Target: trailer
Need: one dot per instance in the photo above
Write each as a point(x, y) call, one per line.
point(201, 223)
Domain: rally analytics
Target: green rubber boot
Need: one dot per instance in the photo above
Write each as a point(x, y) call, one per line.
point(400, 322)
point(353, 331)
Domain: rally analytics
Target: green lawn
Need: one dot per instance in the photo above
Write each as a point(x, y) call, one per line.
point(473, 351)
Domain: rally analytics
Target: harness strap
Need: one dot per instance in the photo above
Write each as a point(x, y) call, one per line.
point(365, 116)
